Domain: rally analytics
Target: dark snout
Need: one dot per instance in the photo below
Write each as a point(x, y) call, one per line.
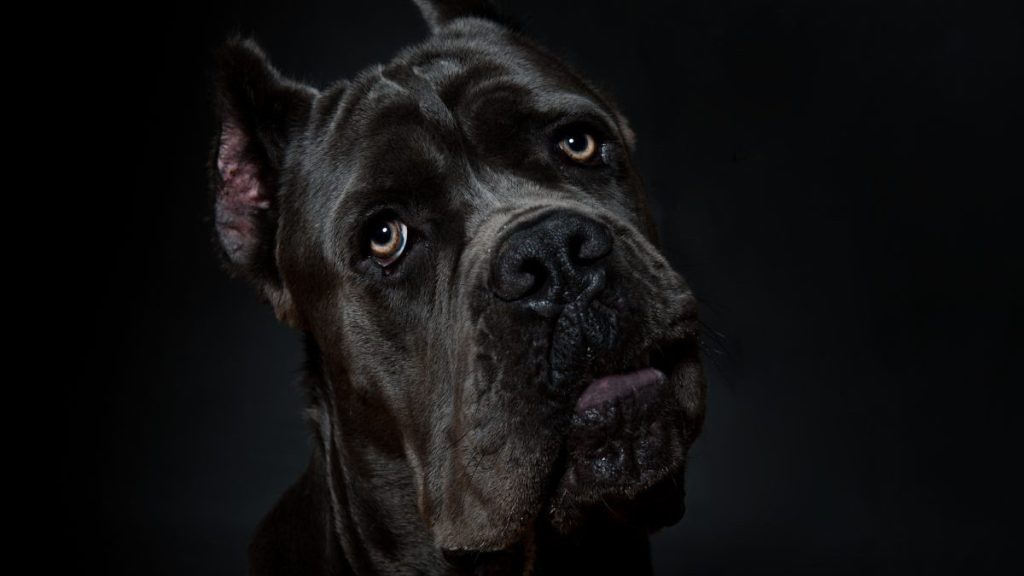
point(594, 309)
point(554, 275)
point(552, 259)
point(583, 344)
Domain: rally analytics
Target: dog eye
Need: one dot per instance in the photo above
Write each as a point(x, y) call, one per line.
point(387, 241)
point(578, 146)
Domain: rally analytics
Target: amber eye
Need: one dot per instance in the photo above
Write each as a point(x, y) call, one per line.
point(387, 241)
point(578, 146)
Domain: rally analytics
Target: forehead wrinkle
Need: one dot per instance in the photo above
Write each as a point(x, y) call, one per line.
point(351, 103)
point(385, 81)
point(411, 86)
point(459, 79)
point(572, 102)
point(432, 105)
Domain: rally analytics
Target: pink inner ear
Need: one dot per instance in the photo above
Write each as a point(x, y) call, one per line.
point(240, 176)
point(241, 195)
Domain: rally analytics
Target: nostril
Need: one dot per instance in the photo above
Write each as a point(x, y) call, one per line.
point(534, 276)
point(589, 245)
point(576, 255)
point(519, 277)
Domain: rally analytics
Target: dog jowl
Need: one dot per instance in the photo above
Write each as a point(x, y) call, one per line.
point(502, 368)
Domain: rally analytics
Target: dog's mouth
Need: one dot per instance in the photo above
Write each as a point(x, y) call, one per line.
point(640, 384)
point(615, 387)
point(648, 371)
point(627, 442)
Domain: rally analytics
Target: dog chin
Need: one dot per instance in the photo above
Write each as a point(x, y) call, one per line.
point(626, 446)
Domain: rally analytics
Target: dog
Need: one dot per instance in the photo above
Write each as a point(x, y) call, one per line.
point(503, 372)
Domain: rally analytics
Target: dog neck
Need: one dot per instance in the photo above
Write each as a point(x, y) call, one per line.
point(354, 512)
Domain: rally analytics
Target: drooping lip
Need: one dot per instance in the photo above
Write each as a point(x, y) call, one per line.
point(608, 388)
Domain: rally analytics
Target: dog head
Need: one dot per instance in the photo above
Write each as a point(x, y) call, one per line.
point(463, 236)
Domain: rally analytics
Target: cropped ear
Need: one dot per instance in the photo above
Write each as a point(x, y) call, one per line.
point(258, 113)
point(437, 13)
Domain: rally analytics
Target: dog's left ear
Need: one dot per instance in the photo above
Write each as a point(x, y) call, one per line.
point(437, 13)
point(259, 113)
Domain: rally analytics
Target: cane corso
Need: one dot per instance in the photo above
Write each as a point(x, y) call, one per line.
point(503, 373)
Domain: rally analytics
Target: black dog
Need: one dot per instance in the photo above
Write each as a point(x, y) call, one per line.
point(503, 372)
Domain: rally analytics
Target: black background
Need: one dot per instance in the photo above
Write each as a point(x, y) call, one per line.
point(836, 180)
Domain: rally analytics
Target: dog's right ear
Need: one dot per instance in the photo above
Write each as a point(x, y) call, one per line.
point(437, 13)
point(259, 112)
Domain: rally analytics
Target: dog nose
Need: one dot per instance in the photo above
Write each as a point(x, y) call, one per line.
point(553, 259)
